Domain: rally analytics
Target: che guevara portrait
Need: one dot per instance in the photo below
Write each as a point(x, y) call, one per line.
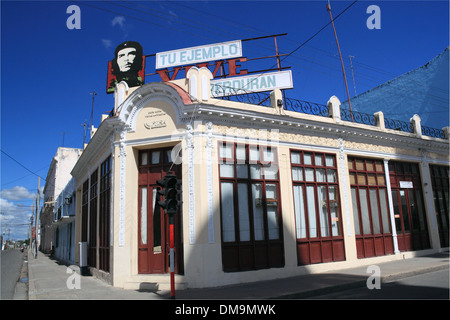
point(128, 65)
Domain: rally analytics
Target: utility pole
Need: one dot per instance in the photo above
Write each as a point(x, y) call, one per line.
point(92, 109)
point(37, 218)
point(342, 62)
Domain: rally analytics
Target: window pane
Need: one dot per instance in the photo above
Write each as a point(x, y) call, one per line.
point(299, 212)
point(371, 180)
point(255, 171)
point(227, 212)
point(307, 158)
point(297, 174)
point(225, 151)
point(168, 155)
point(320, 175)
point(404, 211)
point(240, 153)
point(271, 171)
point(269, 155)
point(227, 170)
point(155, 157)
point(381, 180)
point(352, 178)
point(355, 212)
point(318, 159)
point(295, 157)
point(398, 222)
point(414, 211)
point(329, 161)
point(272, 211)
point(364, 211)
point(379, 166)
point(359, 164)
point(242, 170)
point(244, 222)
point(420, 210)
point(309, 174)
point(361, 179)
point(384, 212)
point(334, 211)
point(311, 201)
point(254, 153)
point(323, 211)
point(156, 224)
point(374, 209)
point(258, 220)
point(144, 215)
point(144, 159)
point(331, 175)
point(350, 163)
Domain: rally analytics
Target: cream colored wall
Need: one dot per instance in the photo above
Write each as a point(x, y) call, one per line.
point(207, 269)
point(156, 126)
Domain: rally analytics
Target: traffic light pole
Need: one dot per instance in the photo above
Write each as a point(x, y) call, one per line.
point(172, 258)
point(170, 203)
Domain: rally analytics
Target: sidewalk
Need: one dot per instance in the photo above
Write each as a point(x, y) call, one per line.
point(49, 280)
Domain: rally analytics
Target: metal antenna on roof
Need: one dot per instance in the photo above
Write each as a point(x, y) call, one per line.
point(92, 109)
point(63, 135)
point(84, 132)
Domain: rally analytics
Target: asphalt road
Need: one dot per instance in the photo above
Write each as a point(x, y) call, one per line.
point(11, 264)
point(432, 285)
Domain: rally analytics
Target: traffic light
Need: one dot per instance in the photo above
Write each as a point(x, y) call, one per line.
point(169, 191)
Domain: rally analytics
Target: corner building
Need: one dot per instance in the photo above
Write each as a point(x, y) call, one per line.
point(265, 193)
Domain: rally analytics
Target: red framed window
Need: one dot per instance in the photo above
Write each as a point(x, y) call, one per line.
point(92, 242)
point(317, 207)
point(370, 207)
point(85, 211)
point(250, 206)
point(104, 214)
point(409, 206)
point(440, 183)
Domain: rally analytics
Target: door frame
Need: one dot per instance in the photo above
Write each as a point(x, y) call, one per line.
point(150, 261)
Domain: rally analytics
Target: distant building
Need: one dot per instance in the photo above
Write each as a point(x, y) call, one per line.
point(266, 191)
point(64, 224)
point(423, 91)
point(57, 178)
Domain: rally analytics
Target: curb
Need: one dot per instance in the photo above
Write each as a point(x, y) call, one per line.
point(21, 289)
point(360, 283)
point(406, 274)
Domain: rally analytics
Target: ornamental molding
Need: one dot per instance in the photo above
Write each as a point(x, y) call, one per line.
point(313, 126)
point(130, 108)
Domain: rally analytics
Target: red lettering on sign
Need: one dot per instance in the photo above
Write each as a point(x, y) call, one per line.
point(232, 67)
point(164, 74)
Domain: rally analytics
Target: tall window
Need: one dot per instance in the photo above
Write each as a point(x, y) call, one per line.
point(104, 214)
point(250, 207)
point(317, 207)
point(92, 243)
point(85, 211)
point(370, 207)
point(440, 183)
point(409, 208)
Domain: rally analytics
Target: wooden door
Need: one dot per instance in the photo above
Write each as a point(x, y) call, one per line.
point(153, 227)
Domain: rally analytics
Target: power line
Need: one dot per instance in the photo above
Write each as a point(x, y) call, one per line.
point(23, 166)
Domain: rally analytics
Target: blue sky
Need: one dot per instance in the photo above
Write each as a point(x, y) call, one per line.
point(48, 71)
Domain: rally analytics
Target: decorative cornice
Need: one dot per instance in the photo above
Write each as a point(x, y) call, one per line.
point(313, 126)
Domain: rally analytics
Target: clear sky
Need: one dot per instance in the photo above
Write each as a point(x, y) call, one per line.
point(48, 71)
